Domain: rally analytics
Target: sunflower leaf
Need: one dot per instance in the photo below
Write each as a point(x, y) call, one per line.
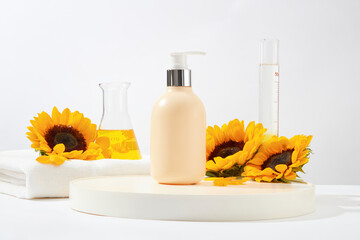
point(234, 171)
point(283, 180)
point(309, 152)
point(241, 170)
point(299, 169)
point(41, 152)
point(299, 180)
point(212, 173)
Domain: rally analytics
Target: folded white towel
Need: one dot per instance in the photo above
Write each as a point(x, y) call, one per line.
point(22, 176)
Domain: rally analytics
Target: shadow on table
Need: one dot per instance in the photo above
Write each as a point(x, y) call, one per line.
point(328, 206)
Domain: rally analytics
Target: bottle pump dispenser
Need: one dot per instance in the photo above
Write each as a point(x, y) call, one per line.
point(179, 74)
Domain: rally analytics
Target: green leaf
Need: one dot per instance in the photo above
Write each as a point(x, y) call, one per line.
point(283, 180)
point(299, 169)
point(299, 180)
point(310, 152)
point(241, 170)
point(41, 152)
point(309, 149)
point(234, 171)
point(212, 173)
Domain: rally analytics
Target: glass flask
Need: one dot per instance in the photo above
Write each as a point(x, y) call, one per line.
point(115, 122)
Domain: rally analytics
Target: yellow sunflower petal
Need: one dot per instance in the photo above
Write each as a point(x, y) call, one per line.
point(91, 133)
point(55, 115)
point(91, 154)
point(241, 157)
point(229, 164)
point(290, 176)
point(238, 181)
point(35, 145)
point(45, 147)
point(37, 126)
point(281, 168)
point(221, 182)
point(234, 131)
point(57, 159)
point(43, 159)
point(59, 148)
point(249, 132)
point(76, 154)
point(210, 165)
point(288, 171)
point(65, 116)
point(267, 178)
point(76, 119)
point(268, 171)
point(211, 178)
point(44, 121)
point(218, 135)
point(84, 124)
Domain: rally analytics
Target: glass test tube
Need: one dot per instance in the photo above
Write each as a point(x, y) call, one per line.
point(269, 86)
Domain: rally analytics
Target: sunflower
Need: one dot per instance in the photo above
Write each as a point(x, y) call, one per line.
point(228, 148)
point(66, 135)
point(278, 159)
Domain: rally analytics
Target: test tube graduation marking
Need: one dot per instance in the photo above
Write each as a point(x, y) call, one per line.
point(269, 86)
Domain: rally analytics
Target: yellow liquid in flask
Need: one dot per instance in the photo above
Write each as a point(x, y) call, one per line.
point(123, 143)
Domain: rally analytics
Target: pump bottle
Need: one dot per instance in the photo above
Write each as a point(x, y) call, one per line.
point(178, 129)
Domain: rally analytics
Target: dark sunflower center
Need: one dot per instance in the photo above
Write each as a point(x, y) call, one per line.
point(226, 149)
point(67, 139)
point(70, 137)
point(276, 159)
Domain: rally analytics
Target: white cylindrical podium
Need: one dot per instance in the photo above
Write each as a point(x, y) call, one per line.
point(141, 197)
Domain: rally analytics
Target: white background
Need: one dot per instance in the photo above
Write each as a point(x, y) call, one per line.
point(54, 53)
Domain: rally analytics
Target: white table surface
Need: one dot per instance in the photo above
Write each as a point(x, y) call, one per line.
point(337, 217)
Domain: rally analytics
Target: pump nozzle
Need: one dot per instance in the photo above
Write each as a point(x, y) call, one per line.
point(179, 59)
point(180, 75)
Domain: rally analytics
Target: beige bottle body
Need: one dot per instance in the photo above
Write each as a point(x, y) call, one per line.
point(178, 137)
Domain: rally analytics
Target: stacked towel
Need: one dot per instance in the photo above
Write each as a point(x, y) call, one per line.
point(22, 176)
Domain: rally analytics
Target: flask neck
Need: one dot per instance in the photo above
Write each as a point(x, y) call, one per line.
point(115, 106)
point(115, 97)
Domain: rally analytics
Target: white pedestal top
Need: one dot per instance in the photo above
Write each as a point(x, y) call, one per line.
point(142, 198)
point(336, 217)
